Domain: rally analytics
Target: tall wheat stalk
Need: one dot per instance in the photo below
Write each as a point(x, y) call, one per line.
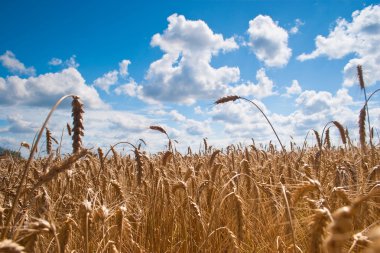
point(234, 98)
point(27, 166)
point(363, 88)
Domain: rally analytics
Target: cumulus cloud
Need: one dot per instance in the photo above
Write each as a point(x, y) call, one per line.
point(18, 125)
point(262, 89)
point(188, 126)
point(198, 110)
point(269, 41)
point(128, 122)
point(123, 67)
point(131, 89)
point(361, 37)
point(72, 62)
point(12, 64)
point(315, 109)
point(295, 29)
point(236, 113)
point(69, 63)
point(2, 84)
point(241, 120)
point(55, 62)
point(112, 77)
point(107, 80)
point(293, 89)
point(184, 73)
point(192, 127)
point(197, 128)
point(46, 89)
point(319, 102)
point(177, 116)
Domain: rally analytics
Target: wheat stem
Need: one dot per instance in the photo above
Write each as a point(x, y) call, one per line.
point(27, 167)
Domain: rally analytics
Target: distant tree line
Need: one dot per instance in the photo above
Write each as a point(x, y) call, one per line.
point(5, 151)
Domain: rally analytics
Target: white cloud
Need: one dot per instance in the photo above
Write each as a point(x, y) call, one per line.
point(321, 102)
point(112, 77)
point(123, 67)
point(2, 84)
point(262, 89)
point(237, 113)
point(177, 116)
point(107, 80)
point(69, 63)
point(128, 122)
point(293, 89)
point(197, 128)
point(55, 62)
point(10, 62)
point(241, 121)
point(131, 89)
point(46, 89)
point(18, 125)
point(269, 41)
point(296, 27)
point(198, 110)
point(361, 36)
point(187, 126)
point(184, 73)
point(9, 142)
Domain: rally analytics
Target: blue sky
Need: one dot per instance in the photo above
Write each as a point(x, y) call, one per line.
point(141, 63)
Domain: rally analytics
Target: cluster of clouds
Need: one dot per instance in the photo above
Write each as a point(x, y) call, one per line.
point(360, 37)
point(269, 41)
point(46, 89)
point(184, 75)
point(10, 62)
point(70, 63)
point(112, 77)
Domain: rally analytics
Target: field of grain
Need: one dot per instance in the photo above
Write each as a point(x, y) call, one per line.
point(320, 198)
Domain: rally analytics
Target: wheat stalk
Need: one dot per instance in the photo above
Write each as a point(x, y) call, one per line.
point(27, 167)
point(234, 97)
point(289, 217)
point(363, 87)
point(64, 235)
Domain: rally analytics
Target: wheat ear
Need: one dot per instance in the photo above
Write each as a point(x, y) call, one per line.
point(162, 130)
point(327, 139)
point(48, 141)
point(78, 129)
point(9, 246)
point(341, 131)
point(362, 117)
point(318, 139)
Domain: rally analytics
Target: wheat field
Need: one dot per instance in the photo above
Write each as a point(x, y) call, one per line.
point(320, 198)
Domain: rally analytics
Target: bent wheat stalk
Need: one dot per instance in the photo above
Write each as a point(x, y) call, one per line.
point(340, 129)
point(162, 130)
point(27, 166)
point(234, 97)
